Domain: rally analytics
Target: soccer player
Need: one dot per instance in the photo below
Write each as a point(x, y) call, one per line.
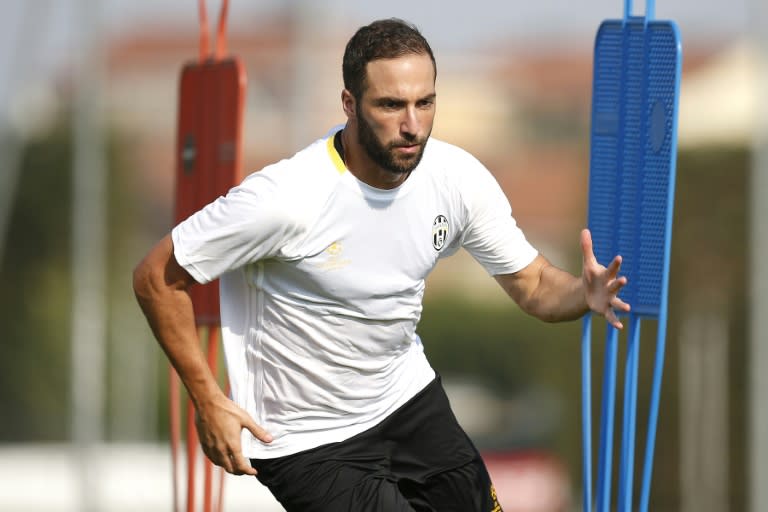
point(322, 259)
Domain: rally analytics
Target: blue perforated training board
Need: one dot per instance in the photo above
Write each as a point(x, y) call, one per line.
point(633, 150)
point(635, 94)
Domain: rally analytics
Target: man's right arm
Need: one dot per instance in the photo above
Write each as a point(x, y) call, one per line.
point(162, 286)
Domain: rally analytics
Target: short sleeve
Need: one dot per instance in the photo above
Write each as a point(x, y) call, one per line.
point(252, 221)
point(492, 235)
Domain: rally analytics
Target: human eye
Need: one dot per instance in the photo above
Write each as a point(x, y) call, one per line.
point(389, 104)
point(426, 103)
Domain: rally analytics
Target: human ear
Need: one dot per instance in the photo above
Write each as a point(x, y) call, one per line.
point(348, 103)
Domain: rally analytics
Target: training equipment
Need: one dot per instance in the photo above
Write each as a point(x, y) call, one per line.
point(636, 84)
point(208, 163)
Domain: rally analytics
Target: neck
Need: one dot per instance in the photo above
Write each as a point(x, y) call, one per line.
point(362, 167)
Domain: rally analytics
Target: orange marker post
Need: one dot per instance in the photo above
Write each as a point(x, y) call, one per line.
point(208, 164)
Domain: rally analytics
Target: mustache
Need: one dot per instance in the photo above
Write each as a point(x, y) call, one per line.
point(407, 143)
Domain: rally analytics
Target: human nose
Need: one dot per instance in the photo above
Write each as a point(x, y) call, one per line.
point(410, 122)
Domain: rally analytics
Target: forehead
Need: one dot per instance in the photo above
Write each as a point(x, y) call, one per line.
point(402, 77)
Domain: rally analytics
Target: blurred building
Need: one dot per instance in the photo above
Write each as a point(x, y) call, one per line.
point(523, 112)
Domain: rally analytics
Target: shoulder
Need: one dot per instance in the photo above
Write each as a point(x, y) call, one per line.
point(449, 155)
point(292, 187)
point(309, 171)
point(456, 166)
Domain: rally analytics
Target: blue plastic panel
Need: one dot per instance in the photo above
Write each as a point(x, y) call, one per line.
point(635, 93)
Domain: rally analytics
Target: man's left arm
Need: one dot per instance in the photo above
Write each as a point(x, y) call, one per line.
point(554, 295)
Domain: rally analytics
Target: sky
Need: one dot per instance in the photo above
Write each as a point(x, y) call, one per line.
point(450, 23)
point(446, 22)
point(37, 36)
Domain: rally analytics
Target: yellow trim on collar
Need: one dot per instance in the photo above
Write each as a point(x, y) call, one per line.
point(335, 156)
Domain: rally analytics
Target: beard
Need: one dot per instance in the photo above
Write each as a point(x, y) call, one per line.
point(384, 155)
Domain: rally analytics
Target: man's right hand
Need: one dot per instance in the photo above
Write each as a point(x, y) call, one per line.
point(161, 286)
point(219, 425)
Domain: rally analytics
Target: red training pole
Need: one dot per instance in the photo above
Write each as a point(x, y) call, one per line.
point(213, 341)
point(175, 427)
point(208, 163)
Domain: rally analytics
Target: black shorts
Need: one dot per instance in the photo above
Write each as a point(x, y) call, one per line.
point(418, 459)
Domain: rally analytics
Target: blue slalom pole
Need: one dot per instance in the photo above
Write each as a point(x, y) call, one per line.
point(626, 478)
point(606, 421)
point(653, 415)
point(586, 409)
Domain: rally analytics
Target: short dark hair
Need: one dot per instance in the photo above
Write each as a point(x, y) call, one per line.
point(382, 39)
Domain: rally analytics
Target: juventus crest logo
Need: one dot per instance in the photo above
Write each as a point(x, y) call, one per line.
point(439, 232)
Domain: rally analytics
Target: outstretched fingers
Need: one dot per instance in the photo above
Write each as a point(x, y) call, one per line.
point(603, 284)
point(614, 266)
point(618, 304)
point(587, 251)
point(615, 285)
point(612, 319)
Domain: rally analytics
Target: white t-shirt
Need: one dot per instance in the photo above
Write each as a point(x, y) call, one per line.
point(322, 279)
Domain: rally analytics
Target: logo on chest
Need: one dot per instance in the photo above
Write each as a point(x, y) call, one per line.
point(439, 232)
point(334, 258)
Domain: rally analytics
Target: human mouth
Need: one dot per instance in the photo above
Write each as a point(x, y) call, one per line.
point(408, 149)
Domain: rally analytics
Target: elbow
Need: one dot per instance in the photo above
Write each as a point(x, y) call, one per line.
point(551, 319)
point(158, 275)
point(141, 281)
point(149, 276)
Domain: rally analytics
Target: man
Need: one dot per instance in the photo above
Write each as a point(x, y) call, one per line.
point(322, 259)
